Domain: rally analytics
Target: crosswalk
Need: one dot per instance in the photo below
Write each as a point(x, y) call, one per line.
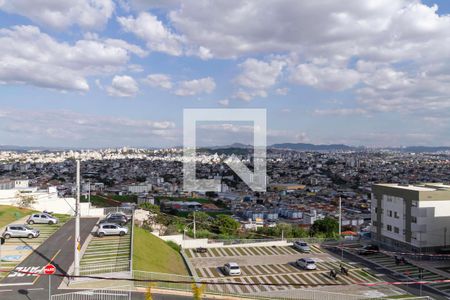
point(274, 282)
point(248, 251)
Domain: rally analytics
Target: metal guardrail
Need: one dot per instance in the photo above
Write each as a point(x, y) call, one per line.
point(103, 294)
point(99, 269)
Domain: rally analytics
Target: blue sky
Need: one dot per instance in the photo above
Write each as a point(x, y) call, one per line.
point(114, 73)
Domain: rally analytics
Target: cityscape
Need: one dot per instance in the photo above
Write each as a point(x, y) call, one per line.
point(224, 150)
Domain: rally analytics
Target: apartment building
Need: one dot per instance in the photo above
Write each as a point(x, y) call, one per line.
point(411, 217)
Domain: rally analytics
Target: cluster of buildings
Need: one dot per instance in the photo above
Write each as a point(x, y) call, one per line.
point(302, 186)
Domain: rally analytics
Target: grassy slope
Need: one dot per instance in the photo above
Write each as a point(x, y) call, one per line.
point(154, 255)
point(9, 214)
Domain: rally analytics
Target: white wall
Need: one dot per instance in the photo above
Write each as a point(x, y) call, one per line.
point(195, 243)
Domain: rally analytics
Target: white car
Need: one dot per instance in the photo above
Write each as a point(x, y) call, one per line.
point(302, 246)
point(306, 263)
point(111, 229)
point(231, 269)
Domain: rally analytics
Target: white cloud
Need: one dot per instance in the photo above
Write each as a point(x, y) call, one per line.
point(340, 112)
point(123, 86)
point(28, 56)
point(195, 87)
point(259, 75)
point(282, 91)
point(159, 80)
point(88, 14)
point(157, 37)
point(67, 128)
point(224, 102)
point(249, 95)
point(329, 78)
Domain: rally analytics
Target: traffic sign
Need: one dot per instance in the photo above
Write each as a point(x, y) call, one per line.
point(49, 269)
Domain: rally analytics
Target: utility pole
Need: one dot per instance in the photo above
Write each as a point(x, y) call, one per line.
point(445, 237)
point(89, 193)
point(340, 217)
point(282, 234)
point(340, 227)
point(77, 225)
point(195, 228)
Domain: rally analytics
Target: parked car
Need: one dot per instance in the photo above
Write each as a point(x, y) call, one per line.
point(302, 246)
point(231, 269)
point(368, 249)
point(306, 263)
point(116, 219)
point(111, 229)
point(201, 250)
point(115, 214)
point(19, 231)
point(42, 218)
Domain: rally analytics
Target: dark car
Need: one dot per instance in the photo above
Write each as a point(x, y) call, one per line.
point(368, 249)
point(201, 250)
point(116, 219)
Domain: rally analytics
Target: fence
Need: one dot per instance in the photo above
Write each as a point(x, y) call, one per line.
point(311, 240)
point(95, 295)
point(106, 268)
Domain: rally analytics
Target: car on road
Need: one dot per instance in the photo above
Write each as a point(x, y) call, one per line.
point(368, 249)
point(306, 263)
point(302, 246)
point(111, 229)
point(201, 250)
point(116, 219)
point(19, 231)
point(231, 269)
point(42, 218)
point(117, 214)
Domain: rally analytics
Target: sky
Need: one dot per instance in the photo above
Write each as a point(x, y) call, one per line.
point(112, 73)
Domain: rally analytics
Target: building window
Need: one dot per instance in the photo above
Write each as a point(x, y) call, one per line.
point(396, 230)
point(389, 212)
point(404, 231)
point(389, 227)
point(413, 219)
point(396, 215)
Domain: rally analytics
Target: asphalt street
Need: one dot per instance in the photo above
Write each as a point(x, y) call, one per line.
point(58, 249)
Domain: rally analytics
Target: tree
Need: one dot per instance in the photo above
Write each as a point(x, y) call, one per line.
point(225, 224)
point(202, 220)
point(25, 201)
point(327, 226)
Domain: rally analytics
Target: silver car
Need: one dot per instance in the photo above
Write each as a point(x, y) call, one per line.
point(111, 229)
point(20, 231)
point(42, 218)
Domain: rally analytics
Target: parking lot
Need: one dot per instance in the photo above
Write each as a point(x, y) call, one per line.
point(15, 250)
point(262, 266)
point(106, 254)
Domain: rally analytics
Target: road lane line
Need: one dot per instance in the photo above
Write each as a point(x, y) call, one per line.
point(1, 291)
point(54, 256)
point(70, 237)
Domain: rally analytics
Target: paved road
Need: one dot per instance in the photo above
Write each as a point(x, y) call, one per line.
point(415, 289)
point(58, 249)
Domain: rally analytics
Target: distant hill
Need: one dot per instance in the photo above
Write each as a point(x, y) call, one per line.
point(422, 149)
point(312, 147)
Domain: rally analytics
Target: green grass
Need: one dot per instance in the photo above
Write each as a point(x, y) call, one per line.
point(154, 255)
point(9, 214)
point(96, 200)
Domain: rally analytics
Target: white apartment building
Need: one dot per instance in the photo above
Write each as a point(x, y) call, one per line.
point(411, 217)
